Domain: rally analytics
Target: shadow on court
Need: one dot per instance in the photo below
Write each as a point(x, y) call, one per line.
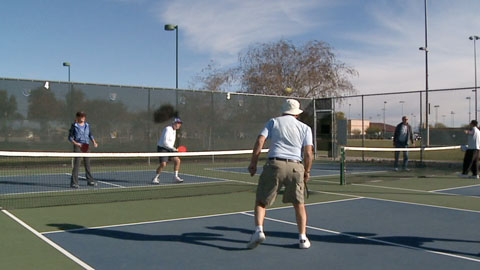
point(207, 239)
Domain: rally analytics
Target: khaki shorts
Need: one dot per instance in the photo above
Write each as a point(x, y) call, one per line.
point(275, 175)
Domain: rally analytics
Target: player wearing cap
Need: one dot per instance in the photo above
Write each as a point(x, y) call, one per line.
point(166, 144)
point(290, 143)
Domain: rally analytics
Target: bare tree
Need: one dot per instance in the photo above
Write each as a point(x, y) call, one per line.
point(213, 78)
point(281, 68)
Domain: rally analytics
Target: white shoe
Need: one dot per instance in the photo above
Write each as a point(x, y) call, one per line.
point(257, 238)
point(177, 179)
point(474, 176)
point(395, 169)
point(155, 181)
point(304, 244)
point(463, 175)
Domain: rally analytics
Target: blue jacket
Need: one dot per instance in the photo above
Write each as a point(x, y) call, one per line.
point(80, 134)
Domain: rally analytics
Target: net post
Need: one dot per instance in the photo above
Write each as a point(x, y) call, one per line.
point(342, 165)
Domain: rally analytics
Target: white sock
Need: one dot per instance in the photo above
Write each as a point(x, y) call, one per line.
point(259, 228)
point(176, 173)
point(158, 176)
point(302, 237)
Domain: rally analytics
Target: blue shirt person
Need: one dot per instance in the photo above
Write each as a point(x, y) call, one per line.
point(80, 136)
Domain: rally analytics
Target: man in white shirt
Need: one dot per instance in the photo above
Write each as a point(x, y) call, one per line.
point(166, 143)
point(470, 161)
point(290, 143)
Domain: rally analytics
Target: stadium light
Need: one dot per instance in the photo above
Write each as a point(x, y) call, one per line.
point(172, 27)
point(475, 38)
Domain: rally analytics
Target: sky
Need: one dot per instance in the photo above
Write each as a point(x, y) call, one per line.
point(124, 41)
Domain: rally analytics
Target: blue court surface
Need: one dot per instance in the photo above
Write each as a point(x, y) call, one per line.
point(465, 191)
point(356, 233)
point(61, 182)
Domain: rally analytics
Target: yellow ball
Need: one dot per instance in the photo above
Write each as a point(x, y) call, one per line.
point(288, 90)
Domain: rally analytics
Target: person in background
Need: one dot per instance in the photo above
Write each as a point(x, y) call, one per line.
point(290, 143)
point(403, 134)
point(166, 144)
point(80, 136)
point(470, 160)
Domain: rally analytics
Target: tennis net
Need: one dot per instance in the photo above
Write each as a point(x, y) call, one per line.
point(41, 179)
point(367, 164)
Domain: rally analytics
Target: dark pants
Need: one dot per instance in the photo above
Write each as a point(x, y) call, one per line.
point(76, 165)
point(397, 155)
point(470, 161)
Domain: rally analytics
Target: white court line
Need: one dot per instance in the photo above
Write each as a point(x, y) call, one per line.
point(373, 240)
point(446, 189)
point(395, 201)
point(50, 242)
point(417, 190)
point(187, 218)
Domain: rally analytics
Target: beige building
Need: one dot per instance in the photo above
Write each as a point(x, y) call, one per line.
point(355, 126)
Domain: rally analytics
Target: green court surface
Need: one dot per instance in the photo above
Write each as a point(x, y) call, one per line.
point(21, 249)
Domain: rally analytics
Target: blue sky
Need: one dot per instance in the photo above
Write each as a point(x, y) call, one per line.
point(123, 41)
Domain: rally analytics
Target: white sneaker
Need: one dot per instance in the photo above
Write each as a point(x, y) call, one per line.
point(257, 238)
point(395, 169)
point(474, 176)
point(177, 179)
point(304, 244)
point(155, 181)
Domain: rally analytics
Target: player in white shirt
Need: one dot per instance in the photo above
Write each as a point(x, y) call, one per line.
point(166, 144)
point(470, 161)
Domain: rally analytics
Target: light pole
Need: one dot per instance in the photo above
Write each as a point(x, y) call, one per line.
point(67, 64)
point(443, 119)
point(414, 120)
point(469, 109)
point(349, 105)
point(384, 109)
point(425, 48)
point(453, 118)
point(475, 38)
point(402, 102)
point(436, 113)
point(172, 27)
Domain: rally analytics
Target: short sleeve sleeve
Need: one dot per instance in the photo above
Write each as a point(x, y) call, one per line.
point(267, 129)
point(308, 140)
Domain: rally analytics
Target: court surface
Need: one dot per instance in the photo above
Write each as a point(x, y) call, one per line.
point(412, 223)
point(348, 234)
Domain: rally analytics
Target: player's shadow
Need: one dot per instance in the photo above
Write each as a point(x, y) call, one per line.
point(362, 239)
point(194, 238)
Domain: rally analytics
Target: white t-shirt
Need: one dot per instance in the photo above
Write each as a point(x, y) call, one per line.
point(288, 136)
point(167, 140)
point(474, 138)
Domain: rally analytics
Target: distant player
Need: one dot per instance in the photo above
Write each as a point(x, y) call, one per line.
point(166, 144)
point(470, 160)
point(403, 134)
point(80, 136)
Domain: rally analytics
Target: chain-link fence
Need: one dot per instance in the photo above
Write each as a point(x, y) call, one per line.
point(35, 116)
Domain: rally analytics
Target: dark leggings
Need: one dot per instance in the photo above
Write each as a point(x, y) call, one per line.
point(470, 161)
